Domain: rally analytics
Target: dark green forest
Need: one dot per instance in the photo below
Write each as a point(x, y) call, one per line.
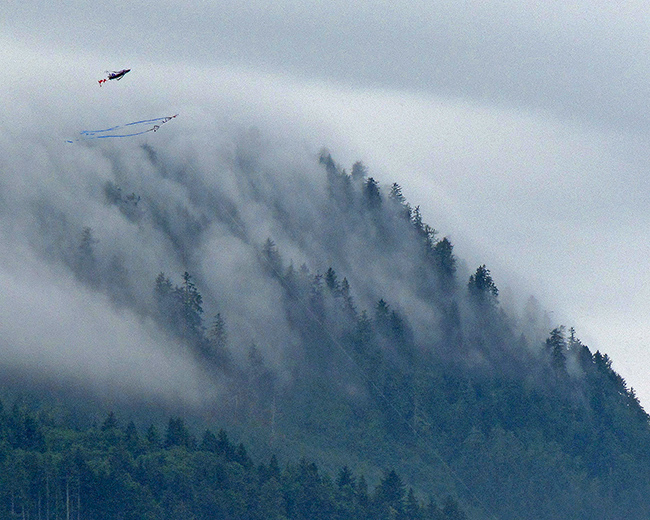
point(49, 470)
point(440, 404)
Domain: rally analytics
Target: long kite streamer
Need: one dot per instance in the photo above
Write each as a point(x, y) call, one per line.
point(126, 130)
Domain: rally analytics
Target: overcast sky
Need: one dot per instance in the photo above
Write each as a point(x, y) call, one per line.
point(519, 127)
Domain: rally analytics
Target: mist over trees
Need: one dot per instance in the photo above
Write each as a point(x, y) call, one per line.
point(334, 321)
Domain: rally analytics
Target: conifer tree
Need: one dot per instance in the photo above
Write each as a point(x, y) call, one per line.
point(556, 346)
point(359, 172)
point(389, 496)
point(152, 437)
point(177, 434)
point(218, 342)
point(347, 298)
point(403, 208)
point(209, 442)
point(191, 308)
point(482, 288)
point(396, 195)
point(445, 262)
point(332, 282)
point(371, 194)
point(412, 508)
point(85, 263)
point(271, 258)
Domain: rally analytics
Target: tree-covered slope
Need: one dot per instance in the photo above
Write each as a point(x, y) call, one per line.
point(328, 320)
point(50, 469)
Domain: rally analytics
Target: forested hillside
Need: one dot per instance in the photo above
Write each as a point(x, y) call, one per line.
point(48, 469)
point(329, 321)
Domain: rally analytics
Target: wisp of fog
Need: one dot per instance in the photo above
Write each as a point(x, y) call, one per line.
point(87, 227)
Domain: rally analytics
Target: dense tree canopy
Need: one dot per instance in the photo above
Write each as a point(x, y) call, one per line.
point(48, 469)
point(399, 372)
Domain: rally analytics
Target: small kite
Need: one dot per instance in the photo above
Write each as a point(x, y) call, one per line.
point(127, 130)
point(115, 74)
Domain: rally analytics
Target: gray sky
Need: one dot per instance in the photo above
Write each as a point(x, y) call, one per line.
point(520, 128)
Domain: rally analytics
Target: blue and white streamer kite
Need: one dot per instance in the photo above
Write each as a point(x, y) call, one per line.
point(127, 130)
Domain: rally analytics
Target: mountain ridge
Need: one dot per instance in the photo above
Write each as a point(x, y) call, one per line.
point(341, 326)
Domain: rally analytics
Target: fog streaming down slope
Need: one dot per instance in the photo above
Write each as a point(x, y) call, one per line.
point(86, 229)
point(87, 316)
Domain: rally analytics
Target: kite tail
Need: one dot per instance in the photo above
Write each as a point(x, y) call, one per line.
point(101, 81)
point(110, 132)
